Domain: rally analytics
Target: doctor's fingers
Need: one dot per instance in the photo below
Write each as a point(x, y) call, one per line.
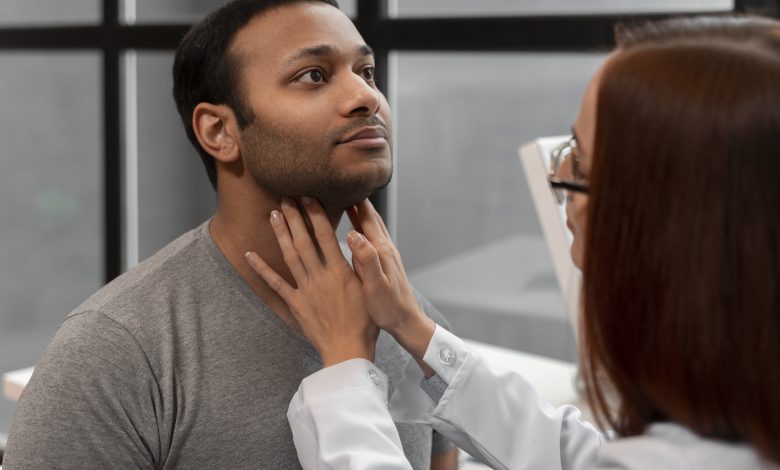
point(289, 252)
point(274, 280)
point(323, 232)
point(365, 260)
point(377, 234)
point(364, 221)
point(377, 217)
point(301, 240)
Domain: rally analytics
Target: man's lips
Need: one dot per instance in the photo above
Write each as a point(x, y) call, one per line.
point(371, 134)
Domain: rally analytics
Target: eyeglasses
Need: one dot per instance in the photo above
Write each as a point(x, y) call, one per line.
point(564, 174)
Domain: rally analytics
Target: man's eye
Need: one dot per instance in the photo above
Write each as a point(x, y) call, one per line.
point(368, 73)
point(312, 76)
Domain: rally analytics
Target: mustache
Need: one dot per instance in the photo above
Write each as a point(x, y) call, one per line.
point(359, 123)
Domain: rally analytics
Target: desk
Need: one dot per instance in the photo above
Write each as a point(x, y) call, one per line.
point(14, 382)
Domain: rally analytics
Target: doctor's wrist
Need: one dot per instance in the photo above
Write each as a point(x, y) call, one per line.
point(414, 333)
point(338, 353)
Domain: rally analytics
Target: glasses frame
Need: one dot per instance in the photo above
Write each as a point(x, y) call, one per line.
point(561, 187)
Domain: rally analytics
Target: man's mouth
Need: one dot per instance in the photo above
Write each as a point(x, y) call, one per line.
point(366, 136)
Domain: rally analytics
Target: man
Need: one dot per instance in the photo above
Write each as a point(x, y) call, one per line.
point(189, 360)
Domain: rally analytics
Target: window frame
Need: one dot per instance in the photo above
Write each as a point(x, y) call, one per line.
point(112, 38)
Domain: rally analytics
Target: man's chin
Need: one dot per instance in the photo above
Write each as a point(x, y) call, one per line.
point(339, 200)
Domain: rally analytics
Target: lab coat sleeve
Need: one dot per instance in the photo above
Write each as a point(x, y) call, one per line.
point(339, 420)
point(494, 414)
point(340, 416)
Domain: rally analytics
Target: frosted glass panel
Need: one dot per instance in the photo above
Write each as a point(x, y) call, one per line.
point(51, 249)
point(460, 119)
point(33, 12)
point(349, 7)
point(466, 225)
point(174, 192)
point(188, 11)
point(415, 8)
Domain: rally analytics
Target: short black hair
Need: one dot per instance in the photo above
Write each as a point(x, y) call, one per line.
point(205, 72)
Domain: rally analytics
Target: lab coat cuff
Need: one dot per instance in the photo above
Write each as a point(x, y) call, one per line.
point(345, 377)
point(446, 354)
point(341, 407)
point(409, 402)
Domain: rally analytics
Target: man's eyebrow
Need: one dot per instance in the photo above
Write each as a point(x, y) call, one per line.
point(316, 51)
point(365, 50)
point(322, 51)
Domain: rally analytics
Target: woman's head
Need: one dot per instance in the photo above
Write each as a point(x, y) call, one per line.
point(681, 254)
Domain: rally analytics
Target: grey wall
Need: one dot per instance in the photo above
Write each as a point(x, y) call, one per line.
point(31, 12)
point(156, 11)
point(461, 118)
point(558, 7)
point(50, 188)
point(174, 193)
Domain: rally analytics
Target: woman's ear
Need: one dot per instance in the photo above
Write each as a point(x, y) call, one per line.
point(216, 130)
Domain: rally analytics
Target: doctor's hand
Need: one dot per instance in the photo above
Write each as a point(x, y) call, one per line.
point(390, 299)
point(328, 300)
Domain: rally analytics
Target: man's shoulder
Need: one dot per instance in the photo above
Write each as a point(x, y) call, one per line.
point(154, 278)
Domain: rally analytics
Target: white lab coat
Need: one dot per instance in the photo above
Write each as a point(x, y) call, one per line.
point(340, 419)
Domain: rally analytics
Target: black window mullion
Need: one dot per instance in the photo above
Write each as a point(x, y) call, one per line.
point(112, 163)
point(370, 13)
point(110, 13)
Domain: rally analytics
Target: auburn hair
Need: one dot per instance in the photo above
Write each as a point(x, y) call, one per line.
point(681, 276)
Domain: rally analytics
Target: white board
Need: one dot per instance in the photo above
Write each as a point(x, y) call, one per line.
point(535, 157)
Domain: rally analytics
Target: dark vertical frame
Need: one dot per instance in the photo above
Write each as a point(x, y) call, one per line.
point(384, 34)
point(371, 13)
point(112, 142)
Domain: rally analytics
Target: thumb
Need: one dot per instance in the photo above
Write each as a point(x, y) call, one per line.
point(365, 259)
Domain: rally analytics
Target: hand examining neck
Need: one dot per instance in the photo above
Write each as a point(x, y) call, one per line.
point(326, 298)
point(241, 224)
point(337, 308)
point(389, 296)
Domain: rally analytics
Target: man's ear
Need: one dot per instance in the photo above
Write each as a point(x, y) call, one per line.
point(217, 131)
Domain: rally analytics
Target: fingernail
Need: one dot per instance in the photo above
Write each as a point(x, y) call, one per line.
point(355, 238)
point(276, 217)
point(286, 203)
point(307, 201)
point(248, 255)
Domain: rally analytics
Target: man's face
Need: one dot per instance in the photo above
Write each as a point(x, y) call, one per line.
point(321, 127)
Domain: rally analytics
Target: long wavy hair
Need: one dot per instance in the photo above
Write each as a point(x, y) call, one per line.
point(681, 278)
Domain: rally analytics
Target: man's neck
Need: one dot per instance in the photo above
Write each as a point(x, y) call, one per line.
point(237, 229)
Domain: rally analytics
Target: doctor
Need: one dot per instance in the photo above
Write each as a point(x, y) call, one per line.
point(670, 181)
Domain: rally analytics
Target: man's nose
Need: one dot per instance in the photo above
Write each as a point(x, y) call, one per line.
point(359, 97)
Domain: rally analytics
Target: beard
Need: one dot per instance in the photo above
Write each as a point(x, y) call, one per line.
point(292, 164)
